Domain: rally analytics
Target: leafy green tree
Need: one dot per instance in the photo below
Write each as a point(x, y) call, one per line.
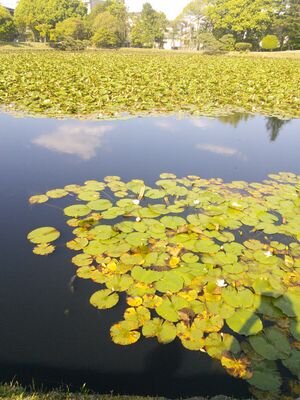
point(209, 43)
point(71, 27)
point(194, 18)
point(117, 8)
point(286, 23)
point(7, 26)
point(38, 15)
point(270, 42)
point(228, 42)
point(243, 18)
point(149, 28)
point(106, 30)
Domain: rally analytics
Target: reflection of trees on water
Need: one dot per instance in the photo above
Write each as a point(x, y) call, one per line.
point(274, 125)
point(234, 119)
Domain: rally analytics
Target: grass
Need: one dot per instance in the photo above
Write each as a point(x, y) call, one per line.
point(104, 84)
point(14, 391)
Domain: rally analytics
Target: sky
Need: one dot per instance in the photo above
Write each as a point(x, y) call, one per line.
point(170, 7)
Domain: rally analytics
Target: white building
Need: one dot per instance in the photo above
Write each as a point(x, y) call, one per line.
point(90, 4)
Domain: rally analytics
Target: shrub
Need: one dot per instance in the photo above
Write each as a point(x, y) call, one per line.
point(69, 44)
point(243, 46)
point(228, 42)
point(209, 43)
point(270, 42)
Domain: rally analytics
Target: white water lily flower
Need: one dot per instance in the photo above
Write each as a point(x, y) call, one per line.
point(235, 204)
point(138, 219)
point(196, 202)
point(136, 202)
point(221, 283)
point(268, 253)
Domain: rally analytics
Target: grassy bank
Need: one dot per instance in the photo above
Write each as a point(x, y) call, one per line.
point(16, 392)
point(106, 83)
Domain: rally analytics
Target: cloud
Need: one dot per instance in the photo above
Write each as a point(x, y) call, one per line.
point(82, 141)
point(223, 150)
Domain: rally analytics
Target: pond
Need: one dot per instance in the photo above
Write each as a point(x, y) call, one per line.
point(49, 332)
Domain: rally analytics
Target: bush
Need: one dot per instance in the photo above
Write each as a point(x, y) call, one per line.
point(228, 42)
point(243, 46)
point(270, 42)
point(69, 44)
point(209, 43)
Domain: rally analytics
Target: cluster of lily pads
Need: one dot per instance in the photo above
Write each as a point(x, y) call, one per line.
point(105, 84)
point(214, 264)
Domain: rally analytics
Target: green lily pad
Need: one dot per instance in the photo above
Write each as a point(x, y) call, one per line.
point(103, 299)
point(77, 210)
point(245, 322)
point(46, 234)
point(165, 331)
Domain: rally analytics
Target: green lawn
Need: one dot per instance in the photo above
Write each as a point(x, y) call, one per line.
point(107, 83)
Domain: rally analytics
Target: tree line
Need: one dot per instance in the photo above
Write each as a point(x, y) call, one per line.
point(202, 24)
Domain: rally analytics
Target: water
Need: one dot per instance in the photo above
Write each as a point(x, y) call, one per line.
point(49, 332)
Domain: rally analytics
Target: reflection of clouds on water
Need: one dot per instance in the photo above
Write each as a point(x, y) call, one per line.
point(173, 124)
point(166, 125)
point(200, 123)
point(223, 150)
point(82, 141)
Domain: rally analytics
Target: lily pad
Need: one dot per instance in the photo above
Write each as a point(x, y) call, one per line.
point(104, 299)
point(45, 234)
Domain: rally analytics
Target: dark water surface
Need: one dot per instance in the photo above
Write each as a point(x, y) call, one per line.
point(50, 333)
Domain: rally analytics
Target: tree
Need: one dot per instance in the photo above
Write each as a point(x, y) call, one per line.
point(106, 33)
point(71, 27)
point(243, 18)
point(7, 26)
point(195, 22)
point(39, 15)
point(149, 28)
point(116, 8)
point(286, 23)
point(270, 42)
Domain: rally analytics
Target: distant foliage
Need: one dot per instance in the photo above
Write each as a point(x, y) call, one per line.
point(7, 26)
point(270, 42)
point(70, 44)
point(73, 27)
point(106, 30)
point(228, 42)
point(243, 46)
point(149, 28)
point(209, 43)
point(40, 16)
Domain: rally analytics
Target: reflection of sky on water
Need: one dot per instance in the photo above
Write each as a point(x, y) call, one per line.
point(39, 154)
point(82, 141)
point(222, 150)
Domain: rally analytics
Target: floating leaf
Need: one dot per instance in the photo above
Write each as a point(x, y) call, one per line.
point(123, 333)
point(43, 249)
point(164, 331)
point(45, 234)
point(57, 193)
point(38, 199)
point(77, 210)
point(171, 282)
point(139, 315)
point(99, 205)
point(104, 299)
point(245, 322)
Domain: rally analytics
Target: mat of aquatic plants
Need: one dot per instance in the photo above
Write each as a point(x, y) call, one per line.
point(106, 83)
point(214, 264)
